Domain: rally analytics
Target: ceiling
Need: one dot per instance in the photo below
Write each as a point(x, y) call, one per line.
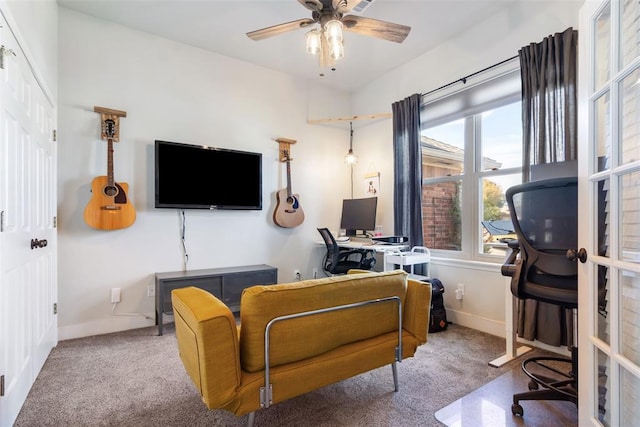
point(221, 26)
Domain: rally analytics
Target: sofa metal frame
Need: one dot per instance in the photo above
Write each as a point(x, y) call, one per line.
point(266, 392)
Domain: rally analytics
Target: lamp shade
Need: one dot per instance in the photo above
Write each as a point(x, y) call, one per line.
point(313, 42)
point(333, 31)
point(336, 50)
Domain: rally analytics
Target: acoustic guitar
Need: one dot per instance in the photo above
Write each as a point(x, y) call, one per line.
point(288, 212)
point(109, 207)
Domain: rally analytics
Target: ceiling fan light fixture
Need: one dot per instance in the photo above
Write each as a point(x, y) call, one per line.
point(336, 50)
point(333, 31)
point(313, 42)
point(332, 17)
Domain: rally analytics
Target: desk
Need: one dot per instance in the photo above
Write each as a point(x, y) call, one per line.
point(510, 323)
point(368, 245)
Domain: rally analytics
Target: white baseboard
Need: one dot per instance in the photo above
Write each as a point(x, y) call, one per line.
point(102, 326)
point(497, 328)
point(490, 326)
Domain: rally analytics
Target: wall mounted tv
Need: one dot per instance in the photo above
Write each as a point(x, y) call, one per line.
point(199, 177)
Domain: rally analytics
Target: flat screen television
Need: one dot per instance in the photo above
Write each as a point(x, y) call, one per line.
point(359, 215)
point(199, 177)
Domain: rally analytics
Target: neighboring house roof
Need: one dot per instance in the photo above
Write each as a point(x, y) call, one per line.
point(450, 155)
point(439, 145)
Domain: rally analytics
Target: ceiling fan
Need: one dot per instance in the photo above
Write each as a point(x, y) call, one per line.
point(332, 17)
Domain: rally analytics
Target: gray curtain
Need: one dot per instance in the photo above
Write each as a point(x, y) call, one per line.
point(549, 103)
point(549, 119)
point(407, 161)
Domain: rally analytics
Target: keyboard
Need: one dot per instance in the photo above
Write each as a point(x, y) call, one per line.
point(390, 239)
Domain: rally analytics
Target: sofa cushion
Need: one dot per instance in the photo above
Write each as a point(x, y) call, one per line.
point(301, 338)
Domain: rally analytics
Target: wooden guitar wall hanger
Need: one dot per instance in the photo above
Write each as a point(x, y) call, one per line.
point(288, 212)
point(109, 207)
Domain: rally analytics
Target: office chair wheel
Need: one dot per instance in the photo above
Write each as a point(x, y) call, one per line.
point(533, 385)
point(516, 409)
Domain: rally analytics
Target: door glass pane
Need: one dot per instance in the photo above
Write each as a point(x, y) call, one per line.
point(630, 217)
point(496, 220)
point(602, 285)
point(442, 215)
point(630, 31)
point(630, 316)
point(603, 224)
point(630, 118)
point(602, 36)
point(629, 398)
point(501, 137)
point(603, 132)
point(443, 150)
point(603, 405)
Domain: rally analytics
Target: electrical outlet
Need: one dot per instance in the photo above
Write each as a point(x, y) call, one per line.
point(460, 291)
point(151, 291)
point(315, 273)
point(115, 295)
point(296, 275)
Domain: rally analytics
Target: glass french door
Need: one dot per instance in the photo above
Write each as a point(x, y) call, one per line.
point(609, 197)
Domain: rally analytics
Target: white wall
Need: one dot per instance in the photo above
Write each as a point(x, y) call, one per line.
point(35, 23)
point(483, 45)
point(178, 93)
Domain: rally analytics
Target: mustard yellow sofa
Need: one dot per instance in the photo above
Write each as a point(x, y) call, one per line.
point(317, 332)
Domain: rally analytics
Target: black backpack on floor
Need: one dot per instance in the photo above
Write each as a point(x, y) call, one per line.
point(438, 317)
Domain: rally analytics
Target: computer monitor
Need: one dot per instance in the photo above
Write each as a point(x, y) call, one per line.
point(359, 215)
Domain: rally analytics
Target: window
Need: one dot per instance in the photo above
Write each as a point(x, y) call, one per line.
point(467, 165)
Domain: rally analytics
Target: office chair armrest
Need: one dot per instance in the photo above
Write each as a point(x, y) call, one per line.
point(509, 266)
point(513, 244)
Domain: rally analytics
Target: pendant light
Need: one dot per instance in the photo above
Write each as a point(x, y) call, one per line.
point(350, 158)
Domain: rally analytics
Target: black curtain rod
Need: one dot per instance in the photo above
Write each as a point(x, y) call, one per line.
point(464, 79)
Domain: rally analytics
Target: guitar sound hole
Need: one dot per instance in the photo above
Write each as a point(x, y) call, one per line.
point(110, 190)
point(290, 200)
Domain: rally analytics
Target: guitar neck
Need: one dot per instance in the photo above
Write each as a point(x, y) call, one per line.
point(110, 181)
point(288, 178)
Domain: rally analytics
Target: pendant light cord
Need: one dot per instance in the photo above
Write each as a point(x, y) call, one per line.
point(351, 152)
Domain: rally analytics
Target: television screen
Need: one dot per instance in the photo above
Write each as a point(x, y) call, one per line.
point(358, 214)
point(199, 177)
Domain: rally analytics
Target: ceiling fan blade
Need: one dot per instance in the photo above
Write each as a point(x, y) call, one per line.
point(344, 6)
point(279, 29)
point(312, 4)
point(376, 28)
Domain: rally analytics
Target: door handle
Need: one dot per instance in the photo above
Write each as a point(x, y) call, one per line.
point(35, 243)
point(580, 254)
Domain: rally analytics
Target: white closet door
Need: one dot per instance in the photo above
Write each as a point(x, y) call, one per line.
point(28, 265)
point(609, 301)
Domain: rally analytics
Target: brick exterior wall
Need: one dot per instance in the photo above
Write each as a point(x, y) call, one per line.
point(441, 205)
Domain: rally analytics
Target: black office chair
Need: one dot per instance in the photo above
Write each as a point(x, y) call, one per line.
point(542, 265)
point(340, 260)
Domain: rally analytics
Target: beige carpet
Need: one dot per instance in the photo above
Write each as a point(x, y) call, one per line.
point(136, 378)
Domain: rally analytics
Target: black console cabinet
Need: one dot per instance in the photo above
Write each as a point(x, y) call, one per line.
point(225, 283)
